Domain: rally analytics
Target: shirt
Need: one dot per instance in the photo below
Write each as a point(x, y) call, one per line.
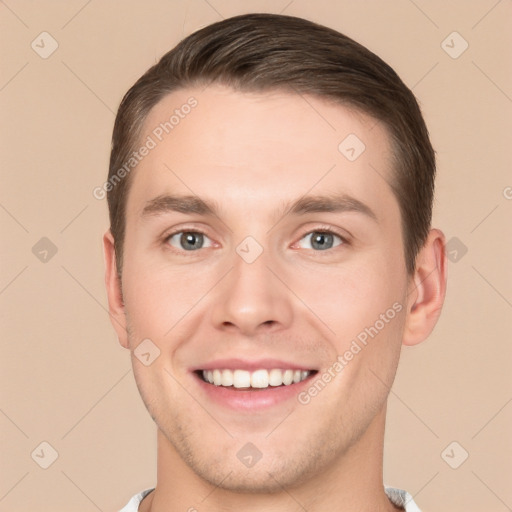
point(397, 497)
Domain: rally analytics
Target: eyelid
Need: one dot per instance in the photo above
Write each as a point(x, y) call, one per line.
point(185, 229)
point(306, 231)
point(180, 229)
point(345, 237)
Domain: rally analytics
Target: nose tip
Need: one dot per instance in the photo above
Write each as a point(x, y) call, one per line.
point(249, 327)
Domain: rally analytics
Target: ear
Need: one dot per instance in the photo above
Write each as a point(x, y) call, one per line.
point(114, 293)
point(427, 289)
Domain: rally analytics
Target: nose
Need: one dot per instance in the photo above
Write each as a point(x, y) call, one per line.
point(251, 299)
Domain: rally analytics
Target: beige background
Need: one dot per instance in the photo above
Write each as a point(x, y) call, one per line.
point(64, 378)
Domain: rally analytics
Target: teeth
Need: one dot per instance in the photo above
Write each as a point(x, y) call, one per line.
point(227, 378)
point(288, 377)
point(275, 377)
point(257, 379)
point(241, 379)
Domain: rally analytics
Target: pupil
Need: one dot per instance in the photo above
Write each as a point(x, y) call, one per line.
point(322, 241)
point(192, 240)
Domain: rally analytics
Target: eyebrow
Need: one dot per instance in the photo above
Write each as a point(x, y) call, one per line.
point(181, 204)
point(335, 203)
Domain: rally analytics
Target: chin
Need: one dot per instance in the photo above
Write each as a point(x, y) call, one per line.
point(273, 472)
point(250, 481)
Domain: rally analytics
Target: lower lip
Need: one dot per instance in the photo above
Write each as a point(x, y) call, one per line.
point(249, 400)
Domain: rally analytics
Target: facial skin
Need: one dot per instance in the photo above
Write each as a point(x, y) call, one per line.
point(251, 155)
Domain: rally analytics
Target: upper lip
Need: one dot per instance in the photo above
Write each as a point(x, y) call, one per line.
point(244, 364)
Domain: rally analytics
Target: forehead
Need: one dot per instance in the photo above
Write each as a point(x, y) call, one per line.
point(254, 149)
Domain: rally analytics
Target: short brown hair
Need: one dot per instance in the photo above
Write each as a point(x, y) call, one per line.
point(263, 52)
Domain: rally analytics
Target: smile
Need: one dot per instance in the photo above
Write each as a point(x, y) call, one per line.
point(258, 379)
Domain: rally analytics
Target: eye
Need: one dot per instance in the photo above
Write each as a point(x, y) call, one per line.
point(320, 240)
point(189, 240)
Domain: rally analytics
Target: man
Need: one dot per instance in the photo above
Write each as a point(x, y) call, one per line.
point(270, 194)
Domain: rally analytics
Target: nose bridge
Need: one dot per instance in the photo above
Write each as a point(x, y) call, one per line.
point(251, 297)
point(251, 275)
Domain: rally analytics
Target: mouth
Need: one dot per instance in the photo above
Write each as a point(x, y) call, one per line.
point(260, 379)
point(246, 386)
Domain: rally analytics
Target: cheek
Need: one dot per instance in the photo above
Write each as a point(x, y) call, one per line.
point(364, 311)
point(349, 299)
point(158, 296)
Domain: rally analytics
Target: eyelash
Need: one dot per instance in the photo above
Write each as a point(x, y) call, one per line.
point(319, 229)
point(327, 229)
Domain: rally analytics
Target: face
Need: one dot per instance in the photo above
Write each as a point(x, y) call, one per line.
point(262, 256)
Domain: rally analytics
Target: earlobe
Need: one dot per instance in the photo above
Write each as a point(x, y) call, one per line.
point(427, 290)
point(113, 287)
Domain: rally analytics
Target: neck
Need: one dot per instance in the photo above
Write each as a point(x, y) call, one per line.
point(352, 482)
